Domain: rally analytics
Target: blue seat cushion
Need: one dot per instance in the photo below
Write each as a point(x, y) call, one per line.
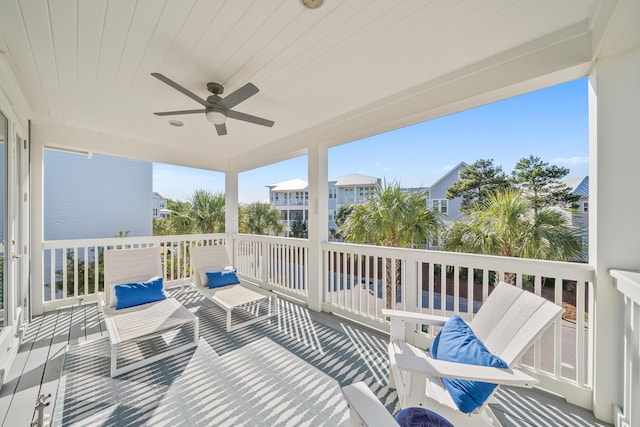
point(217, 279)
point(421, 417)
point(138, 293)
point(456, 342)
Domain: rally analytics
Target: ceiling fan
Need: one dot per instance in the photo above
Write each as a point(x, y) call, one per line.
point(217, 109)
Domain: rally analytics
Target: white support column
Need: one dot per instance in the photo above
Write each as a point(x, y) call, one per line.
point(318, 224)
point(614, 236)
point(231, 202)
point(36, 282)
point(231, 210)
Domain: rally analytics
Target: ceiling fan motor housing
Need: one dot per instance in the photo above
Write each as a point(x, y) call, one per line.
point(215, 88)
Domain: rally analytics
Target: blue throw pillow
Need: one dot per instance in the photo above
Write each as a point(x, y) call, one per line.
point(132, 294)
point(456, 342)
point(217, 279)
point(421, 417)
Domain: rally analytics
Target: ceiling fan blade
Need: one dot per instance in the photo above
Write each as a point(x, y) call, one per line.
point(221, 129)
point(249, 118)
point(179, 88)
point(172, 113)
point(235, 98)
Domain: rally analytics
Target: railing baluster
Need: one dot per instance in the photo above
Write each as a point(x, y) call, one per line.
point(537, 346)
point(470, 296)
point(64, 273)
point(431, 284)
point(557, 360)
point(580, 332)
point(443, 289)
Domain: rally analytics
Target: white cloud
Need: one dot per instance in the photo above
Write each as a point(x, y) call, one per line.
point(575, 160)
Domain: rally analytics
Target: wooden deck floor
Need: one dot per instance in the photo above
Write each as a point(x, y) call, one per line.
point(39, 364)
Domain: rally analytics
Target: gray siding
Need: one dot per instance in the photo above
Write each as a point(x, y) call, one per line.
point(95, 197)
point(439, 191)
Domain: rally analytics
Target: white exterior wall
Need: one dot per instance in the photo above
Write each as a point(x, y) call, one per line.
point(95, 197)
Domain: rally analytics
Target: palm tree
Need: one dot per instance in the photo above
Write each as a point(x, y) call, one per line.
point(506, 224)
point(392, 217)
point(299, 228)
point(207, 212)
point(260, 218)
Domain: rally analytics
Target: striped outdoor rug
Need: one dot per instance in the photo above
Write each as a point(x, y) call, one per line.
point(284, 372)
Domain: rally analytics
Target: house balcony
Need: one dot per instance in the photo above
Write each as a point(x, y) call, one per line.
point(81, 77)
point(343, 342)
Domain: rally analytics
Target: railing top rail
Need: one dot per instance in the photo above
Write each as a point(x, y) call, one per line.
point(109, 241)
point(278, 239)
point(568, 270)
point(628, 283)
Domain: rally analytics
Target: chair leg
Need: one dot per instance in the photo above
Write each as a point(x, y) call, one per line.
point(392, 380)
point(196, 331)
point(114, 359)
point(229, 321)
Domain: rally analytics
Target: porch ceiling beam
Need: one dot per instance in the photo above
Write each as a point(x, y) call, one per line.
point(54, 135)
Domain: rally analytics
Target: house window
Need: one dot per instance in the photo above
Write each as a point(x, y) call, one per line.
point(585, 207)
point(440, 205)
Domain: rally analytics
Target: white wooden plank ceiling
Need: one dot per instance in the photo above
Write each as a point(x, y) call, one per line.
point(325, 76)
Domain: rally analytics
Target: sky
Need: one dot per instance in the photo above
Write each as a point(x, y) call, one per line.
point(551, 124)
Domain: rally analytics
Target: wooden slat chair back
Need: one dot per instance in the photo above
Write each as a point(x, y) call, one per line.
point(511, 319)
point(124, 266)
point(207, 256)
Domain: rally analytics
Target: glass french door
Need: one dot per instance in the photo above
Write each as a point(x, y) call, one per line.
point(14, 214)
point(4, 139)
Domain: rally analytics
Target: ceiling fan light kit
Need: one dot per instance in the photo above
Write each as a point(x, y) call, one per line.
point(216, 116)
point(217, 109)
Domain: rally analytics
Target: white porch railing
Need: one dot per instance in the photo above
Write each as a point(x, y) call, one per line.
point(628, 284)
point(361, 280)
point(72, 269)
point(358, 281)
point(274, 262)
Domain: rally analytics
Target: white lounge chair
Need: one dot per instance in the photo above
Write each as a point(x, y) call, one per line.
point(140, 322)
point(244, 295)
point(508, 323)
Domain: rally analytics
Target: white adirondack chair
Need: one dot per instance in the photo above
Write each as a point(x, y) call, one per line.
point(365, 410)
point(143, 321)
point(508, 323)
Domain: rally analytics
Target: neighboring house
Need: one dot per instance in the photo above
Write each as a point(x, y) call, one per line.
point(438, 193)
point(97, 196)
point(580, 212)
point(159, 206)
point(291, 197)
point(349, 189)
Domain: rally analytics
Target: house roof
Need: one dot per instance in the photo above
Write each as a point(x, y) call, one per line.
point(579, 186)
point(457, 167)
point(355, 179)
point(157, 195)
point(80, 71)
point(295, 184)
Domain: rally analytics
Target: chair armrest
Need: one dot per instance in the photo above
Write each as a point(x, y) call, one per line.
point(368, 410)
point(411, 317)
point(439, 368)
